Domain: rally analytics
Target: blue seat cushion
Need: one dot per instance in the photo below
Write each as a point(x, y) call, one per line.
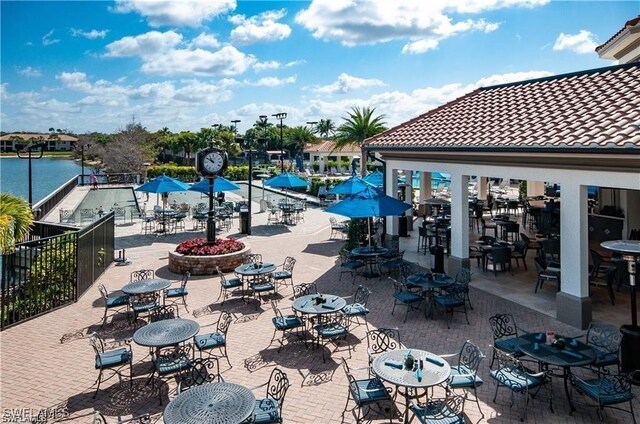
point(265, 411)
point(117, 301)
point(604, 358)
point(407, 297)
point(515, 379)
point(167, 365)
point(603, 391)
point(143, 307)
point(330, 330)
point(458, 379)
point(209, 340)
point(279, 275)
point(507, 345)
point(262, 287)
point(368, 391)
point(232, 283)
point(353, 265)
point(286, 322)
point(355, 309)
point(113, 358)
point(176, 292)
point(449, 300)
point(433, 414)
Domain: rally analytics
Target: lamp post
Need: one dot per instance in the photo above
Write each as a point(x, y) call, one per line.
point(82, 147)
point(281, 116)
point(246, 144)
point(28, 149)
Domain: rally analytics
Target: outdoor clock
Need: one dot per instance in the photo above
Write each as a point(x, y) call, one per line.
point(211, 162)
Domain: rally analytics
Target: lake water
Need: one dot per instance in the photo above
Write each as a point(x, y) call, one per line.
point(47, 175)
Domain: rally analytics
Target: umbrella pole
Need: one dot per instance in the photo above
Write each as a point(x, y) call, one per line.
point(369, 230)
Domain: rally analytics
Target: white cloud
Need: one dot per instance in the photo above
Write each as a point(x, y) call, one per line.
point(423, 23)
point(295, 63)
point(190, 13)
point(263, 66)
point(346, 83)
point(206, 40)
point(91, 35)
point(273, 81)
point(581, 43)
point(162, 54)
point(29, 72)
point(47, 40)
point(260, 28)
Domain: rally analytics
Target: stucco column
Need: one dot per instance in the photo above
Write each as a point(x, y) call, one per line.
point(408, 197)
point(573, 304)
point(459, 223)
point(535, 188)
point(321, 167)
point(482, 187)
point(425, 186)
point(391, 183)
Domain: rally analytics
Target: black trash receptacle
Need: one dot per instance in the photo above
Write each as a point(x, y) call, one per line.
point(403, 226)
point(244, 220)
point(437, 258)
point(629, 348)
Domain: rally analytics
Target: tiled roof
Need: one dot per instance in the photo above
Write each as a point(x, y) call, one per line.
point(630, 23)
point(328, 146)
point(35, 136)
point(599, 108)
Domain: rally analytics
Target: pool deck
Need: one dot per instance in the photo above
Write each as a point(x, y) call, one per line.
point(47, 362)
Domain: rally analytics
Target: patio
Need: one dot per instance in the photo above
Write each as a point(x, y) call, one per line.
point(47, 362)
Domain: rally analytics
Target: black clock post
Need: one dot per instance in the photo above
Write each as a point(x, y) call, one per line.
point(210, 163)
point(211, 222)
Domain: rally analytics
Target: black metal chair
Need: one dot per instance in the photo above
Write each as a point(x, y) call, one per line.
point(170, 361)
point(112, 302)
point(447, 410)
point(500, 256)
point(178, 294)
point(286, 325)
point(350, 265)
point(605, 340)
point(358, 307)
point(202, 371)
point(286, 273)
point(365, 392)
point(462, 279)
point(464, 375)
point(491, 227)
point(404, 295)
point(217, 339)
point(607, 390)
point(143, 303)
point(545, 275)
point(332, 330)
point(505, 331)
point(260, 286)
point(454, 298)
point(227, 285)
point(269, 409)
point(142, 274)
point(520, 252)
point(113, 360)
point(382, 340)
point(162, 312)
point(99, 418)
point(531, 244)
point(304, 289)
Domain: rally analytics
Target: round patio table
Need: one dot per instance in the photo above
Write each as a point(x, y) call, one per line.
point(389, 366)
point(146, 286)
point(167, 332)
point(430, 283)
point(255, 270)
point(307, 304)
point(211, 403)
point(370, 256)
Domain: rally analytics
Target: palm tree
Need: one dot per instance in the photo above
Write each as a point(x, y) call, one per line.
point(325, 128)
point(16, 219)
point(360, 125)
point(298, 137)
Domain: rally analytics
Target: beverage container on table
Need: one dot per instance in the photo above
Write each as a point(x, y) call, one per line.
point(551, 337)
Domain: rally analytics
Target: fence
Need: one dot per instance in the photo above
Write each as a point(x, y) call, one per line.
point(45, 273)
point(46, 205)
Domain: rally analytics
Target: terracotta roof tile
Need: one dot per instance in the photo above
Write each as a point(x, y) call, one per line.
point(596, 109)
point(629, 23)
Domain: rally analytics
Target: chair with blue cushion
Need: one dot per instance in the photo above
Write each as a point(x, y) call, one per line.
point(464, 375)
point(171, 361)
point(285, 274)
point(163, 312)
point(449, 410)
point(511, 374)
point(463, 278)
point(403, 294)
point(143, 303)
point(349, 264)
point(142, 274)
point(286, 325)
point(607, 390)
point(358, 307)
point(453, 300)
point(304, 289)
point(365, 393)
point(382, 340)
point(605, 340)
point(260, 286)
point(178, 294)
point(227, 285)
point(332, 330)
point(114, 360)
point(217, 339)
point(505, 331)
point(269, 409)
point(202, 371)
point(112, 302)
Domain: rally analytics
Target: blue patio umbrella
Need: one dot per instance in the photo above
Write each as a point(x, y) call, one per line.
point(219, 184)
point(375, 178)
point(286, 180)
point(351, 185)
point(368, 203)
point(163, 184)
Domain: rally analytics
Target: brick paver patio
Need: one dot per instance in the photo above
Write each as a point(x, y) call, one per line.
point(47, 362)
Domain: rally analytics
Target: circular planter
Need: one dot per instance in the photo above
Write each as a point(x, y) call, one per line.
point(206, 265)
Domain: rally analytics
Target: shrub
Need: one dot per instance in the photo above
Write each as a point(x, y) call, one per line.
point(199, 247)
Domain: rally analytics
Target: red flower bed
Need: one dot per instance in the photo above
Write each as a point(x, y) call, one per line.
point(199, 247)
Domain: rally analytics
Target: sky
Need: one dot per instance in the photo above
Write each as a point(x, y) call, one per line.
point(86, 66)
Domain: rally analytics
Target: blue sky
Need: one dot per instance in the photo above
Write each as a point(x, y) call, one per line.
point(97, 65)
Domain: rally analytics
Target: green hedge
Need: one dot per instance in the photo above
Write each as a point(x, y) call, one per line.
point(189, 174)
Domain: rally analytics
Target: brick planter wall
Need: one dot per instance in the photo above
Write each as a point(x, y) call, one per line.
point(206, 265)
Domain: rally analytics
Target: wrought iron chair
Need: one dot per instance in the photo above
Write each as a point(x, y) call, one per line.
point(404, 295)
point(332, 330)
point(113, 360)
point(382, 340)
point(99, 418)
point(217, 339)
point(162, 312)
point(286, 273)
point(358, 308)
point(261, 286)
point(607, 390)
point(178, 294)
point(148, 222)
point(304, 289)
point(364, 393)
point(119, 212)
point(543, 274)
point(462, 280)
point(516, 377)
point(143, 303)
point(605, 340)
point(269, 409)
point(142, 274)
point(454, 297)
point(87, 215)
point(113, 302)
point(464, 375)
point(350, 265)
point(505, 330)
point(202, 371)
point(393, 264)
point(227, 285)
point(449, 410)
point(170, 361)
point(286, 325)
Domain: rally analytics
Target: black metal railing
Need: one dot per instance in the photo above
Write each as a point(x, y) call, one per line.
point(46, 205)
point(95, 251)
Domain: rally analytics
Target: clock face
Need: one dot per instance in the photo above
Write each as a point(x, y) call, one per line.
point(213, 162)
